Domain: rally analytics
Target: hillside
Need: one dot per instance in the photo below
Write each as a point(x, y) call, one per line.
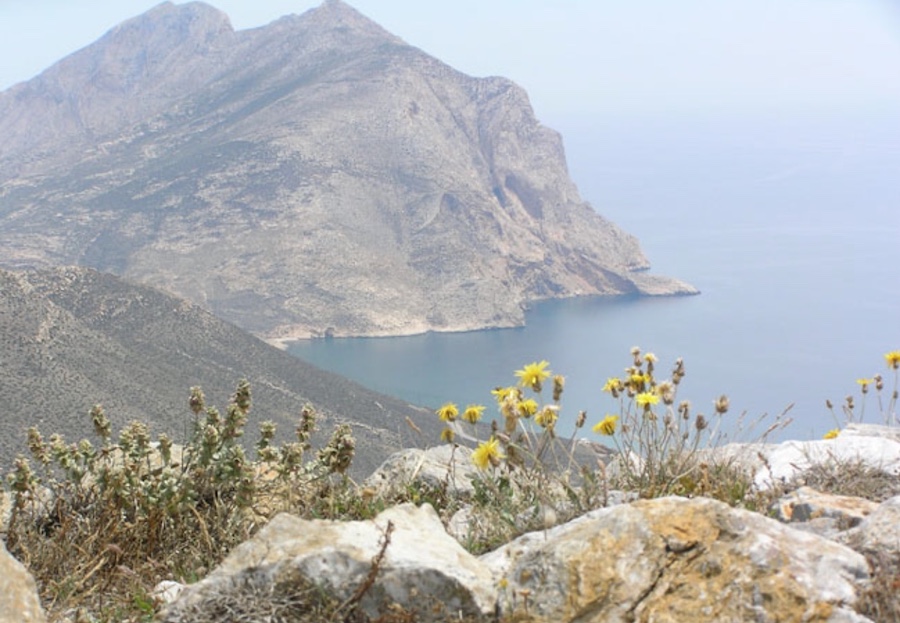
point(316, 176)
point(73, 337)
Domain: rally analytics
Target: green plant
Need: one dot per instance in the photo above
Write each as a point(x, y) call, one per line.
point(102, 525)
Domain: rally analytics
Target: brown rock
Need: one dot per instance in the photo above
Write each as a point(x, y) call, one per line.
point(675, 560)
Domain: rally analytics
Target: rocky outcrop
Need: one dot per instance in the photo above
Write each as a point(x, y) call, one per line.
point(822, 513)
point(316, 176)
point(422, 570)
point(19, 602)
point(674, 559)
point(669, 559)
point(879, 533)
point(871, 447)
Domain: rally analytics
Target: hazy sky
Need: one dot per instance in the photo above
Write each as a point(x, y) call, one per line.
point(576, 56)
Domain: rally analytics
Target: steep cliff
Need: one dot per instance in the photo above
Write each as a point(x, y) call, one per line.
point(314, 176)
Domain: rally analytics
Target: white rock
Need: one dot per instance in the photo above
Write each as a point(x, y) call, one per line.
point(19, 601)
point(423, 565)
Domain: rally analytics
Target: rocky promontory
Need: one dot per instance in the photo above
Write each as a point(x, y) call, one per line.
point(316, 176)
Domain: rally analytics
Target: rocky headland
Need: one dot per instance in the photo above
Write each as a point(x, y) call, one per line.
point(317, 176)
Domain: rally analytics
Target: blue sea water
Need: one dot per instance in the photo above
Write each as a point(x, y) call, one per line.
point(790, 227)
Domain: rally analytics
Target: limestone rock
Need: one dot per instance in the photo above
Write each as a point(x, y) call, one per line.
point(424, 569)
point(807, 505)
point(879, 533)
point(778, 464)
point(676, 560)
point(19, 601)
point(791, 458)
point(447, 466)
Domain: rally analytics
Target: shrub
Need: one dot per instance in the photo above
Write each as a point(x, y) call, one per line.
point(100, 526)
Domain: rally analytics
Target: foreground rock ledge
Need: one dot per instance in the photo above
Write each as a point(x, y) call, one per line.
point(670, 559)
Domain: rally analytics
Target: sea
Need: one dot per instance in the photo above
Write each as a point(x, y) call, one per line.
point(789, 224)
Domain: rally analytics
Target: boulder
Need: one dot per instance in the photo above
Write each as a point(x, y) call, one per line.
point(879, 533)
point(423, 569)
point(447, 466)
point(778, 464)
point(822, 513)
point(675, 560)
point(19, 601)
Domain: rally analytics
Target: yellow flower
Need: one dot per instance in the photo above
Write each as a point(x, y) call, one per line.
point(893, 359)
point(502, 393)
point(834, 432)
point(532, 375)
point(447, 435)
point(448, 412)
point(547, 417)
point(650, 358)
point(528, 407)
point(473, 413)
point(488, 453)
point(606, 426)
point(646, 399)
point(612, 383)
point(865, 382)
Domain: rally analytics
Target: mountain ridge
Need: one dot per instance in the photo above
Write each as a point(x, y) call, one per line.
point(72, 337)
point(319, 177)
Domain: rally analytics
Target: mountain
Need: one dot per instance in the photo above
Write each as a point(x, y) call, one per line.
point(316, 176)
point(72, 337)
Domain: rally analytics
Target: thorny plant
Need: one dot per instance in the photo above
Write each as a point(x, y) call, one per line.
point(99, 526)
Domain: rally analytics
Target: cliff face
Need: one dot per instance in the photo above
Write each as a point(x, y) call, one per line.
point(314, 176)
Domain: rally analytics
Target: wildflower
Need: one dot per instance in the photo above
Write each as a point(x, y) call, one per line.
point(527, 407)
point(447, 435)
point(613, 384)
point(606, 426)
point(646, 399)
point(448, 412)
point(502, 393)
point(547, 416)
point(650, 358)
point(472, 413)
point(893, 359)
point(834, 432)
point(488, 453)
point(532, 375)
point(865, 384)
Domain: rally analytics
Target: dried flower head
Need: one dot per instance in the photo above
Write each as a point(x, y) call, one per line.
point(721, 404)
point(547, 416)
point(559, 383)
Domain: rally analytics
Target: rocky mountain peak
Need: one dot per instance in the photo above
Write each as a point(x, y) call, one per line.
point(316, 176)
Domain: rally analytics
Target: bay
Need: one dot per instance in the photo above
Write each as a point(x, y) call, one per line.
point(790, 227)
